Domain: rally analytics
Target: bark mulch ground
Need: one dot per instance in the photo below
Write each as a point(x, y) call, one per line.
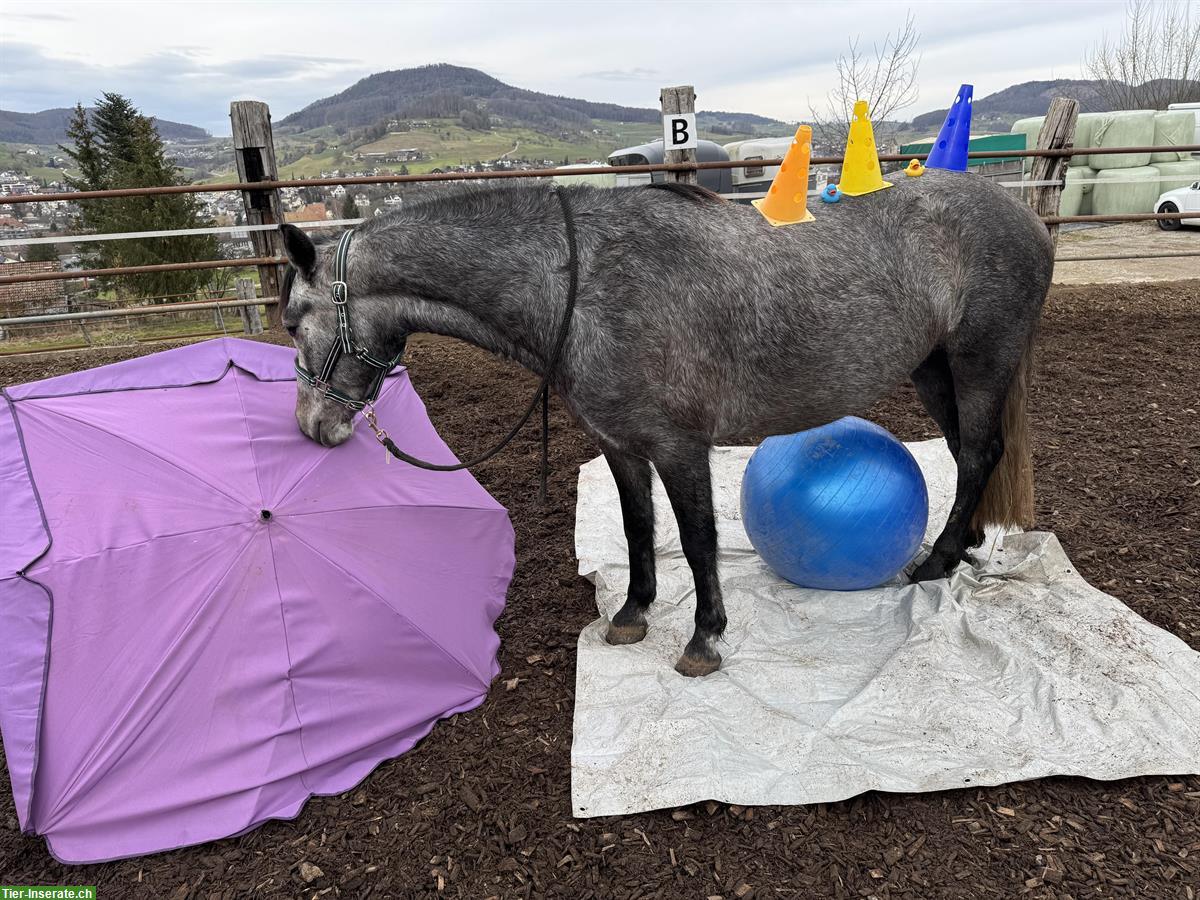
point(481, 807)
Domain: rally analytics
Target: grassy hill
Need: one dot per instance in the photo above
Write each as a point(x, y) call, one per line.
point(444, 91)
point(998, 111)
point(447, 143)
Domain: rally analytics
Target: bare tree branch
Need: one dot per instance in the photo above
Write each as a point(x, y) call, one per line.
point(886, 79)
point(1155, 61)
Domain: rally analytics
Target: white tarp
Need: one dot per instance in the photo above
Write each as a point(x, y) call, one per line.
point(1018, 669)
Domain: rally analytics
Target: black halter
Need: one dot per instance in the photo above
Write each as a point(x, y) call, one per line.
point(344, 343)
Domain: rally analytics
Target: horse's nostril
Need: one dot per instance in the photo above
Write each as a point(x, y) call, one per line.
point(264, 514)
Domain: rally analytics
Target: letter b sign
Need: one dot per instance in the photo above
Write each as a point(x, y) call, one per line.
point(679, 131)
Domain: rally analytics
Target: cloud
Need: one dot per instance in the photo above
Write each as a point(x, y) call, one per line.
point(180, 84)
point(634, 74)
point(38, 17)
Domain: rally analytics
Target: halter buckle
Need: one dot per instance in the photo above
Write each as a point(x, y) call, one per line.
point(340, 293)
point(368, 412)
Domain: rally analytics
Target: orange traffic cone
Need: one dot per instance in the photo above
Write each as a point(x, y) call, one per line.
point(785, 201)
point(860, 166)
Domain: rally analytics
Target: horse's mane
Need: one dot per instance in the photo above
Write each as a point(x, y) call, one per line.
point(525, 202)
point(692, 192)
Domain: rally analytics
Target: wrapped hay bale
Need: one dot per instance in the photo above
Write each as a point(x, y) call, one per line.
point(1173, 128)
point(1085, 134)
point(1079, 180)
point(1122, 191)
point(1179, 174)
point(1076, 199)
point(1127, 128)
point(1031, 128)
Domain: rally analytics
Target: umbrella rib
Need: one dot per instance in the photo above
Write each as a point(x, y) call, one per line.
point(49, 562)
point(148, 451)
point(342, 509)
point(389, 607)
point(287, 649)
point(249, 439)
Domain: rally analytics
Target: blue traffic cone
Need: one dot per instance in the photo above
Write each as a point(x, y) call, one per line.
point(950, 149)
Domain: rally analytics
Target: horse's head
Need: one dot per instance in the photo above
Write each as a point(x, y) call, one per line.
point(326, 410)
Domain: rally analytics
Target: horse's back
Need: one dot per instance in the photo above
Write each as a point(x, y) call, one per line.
point(743, 325)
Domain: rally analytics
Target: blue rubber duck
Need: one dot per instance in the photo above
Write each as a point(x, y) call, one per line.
point(831, 194)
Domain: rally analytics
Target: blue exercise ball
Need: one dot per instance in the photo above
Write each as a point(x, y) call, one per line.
point(842, 507)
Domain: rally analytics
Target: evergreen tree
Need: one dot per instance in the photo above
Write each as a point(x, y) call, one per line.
point(350, 208)
point(118, 147)
point(41, 253)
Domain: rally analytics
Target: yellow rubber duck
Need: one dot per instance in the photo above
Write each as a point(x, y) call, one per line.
point(915, 169)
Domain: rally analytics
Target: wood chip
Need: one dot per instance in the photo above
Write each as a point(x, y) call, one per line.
point(468, 797)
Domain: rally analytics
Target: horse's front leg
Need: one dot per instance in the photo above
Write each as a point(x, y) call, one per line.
point(632, 475)
point(685, 474)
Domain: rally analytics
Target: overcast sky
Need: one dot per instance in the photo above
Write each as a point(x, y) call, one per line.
point(186, 61)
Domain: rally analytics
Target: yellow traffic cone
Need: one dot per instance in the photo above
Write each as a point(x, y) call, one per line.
point(785, 201)
point(860, 166)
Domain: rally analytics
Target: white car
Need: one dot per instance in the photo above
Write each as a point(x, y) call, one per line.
point(1184, 199)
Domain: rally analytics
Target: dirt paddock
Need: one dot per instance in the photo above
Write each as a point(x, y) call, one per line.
point(481, 807)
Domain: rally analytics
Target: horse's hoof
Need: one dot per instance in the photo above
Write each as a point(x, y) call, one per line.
point(625, 634)
point(932, 569)
point(698, 666)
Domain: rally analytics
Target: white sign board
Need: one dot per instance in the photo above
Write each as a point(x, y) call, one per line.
point(679, 131)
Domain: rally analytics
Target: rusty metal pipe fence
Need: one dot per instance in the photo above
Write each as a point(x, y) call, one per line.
point(551, 173)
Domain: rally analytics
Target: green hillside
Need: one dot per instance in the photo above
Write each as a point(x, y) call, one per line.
point(447, 143)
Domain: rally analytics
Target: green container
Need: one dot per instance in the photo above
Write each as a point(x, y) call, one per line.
point(983, 142)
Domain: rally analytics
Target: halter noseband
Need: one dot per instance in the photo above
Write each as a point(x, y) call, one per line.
point(344, 343)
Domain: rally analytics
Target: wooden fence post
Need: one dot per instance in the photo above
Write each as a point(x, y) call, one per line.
point(1058, 133)
point(251, 320)
point(254, 151)
point(680, 99)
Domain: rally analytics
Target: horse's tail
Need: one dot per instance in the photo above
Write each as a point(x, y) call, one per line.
point(1008, 497)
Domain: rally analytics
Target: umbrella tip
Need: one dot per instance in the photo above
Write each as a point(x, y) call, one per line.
point(265, 515)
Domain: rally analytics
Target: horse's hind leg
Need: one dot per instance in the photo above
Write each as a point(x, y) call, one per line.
point(632, 475)
point(684, 470)
point(935, 386)
point(981, 381)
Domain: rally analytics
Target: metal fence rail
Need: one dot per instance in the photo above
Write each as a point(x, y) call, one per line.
point(551, 173)
point(137, 311)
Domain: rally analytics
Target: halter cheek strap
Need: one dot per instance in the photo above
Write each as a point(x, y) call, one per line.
point(344, 343)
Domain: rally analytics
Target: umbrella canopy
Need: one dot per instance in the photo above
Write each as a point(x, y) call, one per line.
point(209, 618)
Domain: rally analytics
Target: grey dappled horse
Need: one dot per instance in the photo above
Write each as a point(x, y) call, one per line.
point(697, 322)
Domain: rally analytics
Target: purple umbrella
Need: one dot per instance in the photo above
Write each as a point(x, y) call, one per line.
point(207, 617)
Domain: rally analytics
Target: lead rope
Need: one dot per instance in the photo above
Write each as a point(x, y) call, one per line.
point(542, 393)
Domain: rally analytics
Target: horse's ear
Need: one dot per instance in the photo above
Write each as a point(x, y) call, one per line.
point(300, 250)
